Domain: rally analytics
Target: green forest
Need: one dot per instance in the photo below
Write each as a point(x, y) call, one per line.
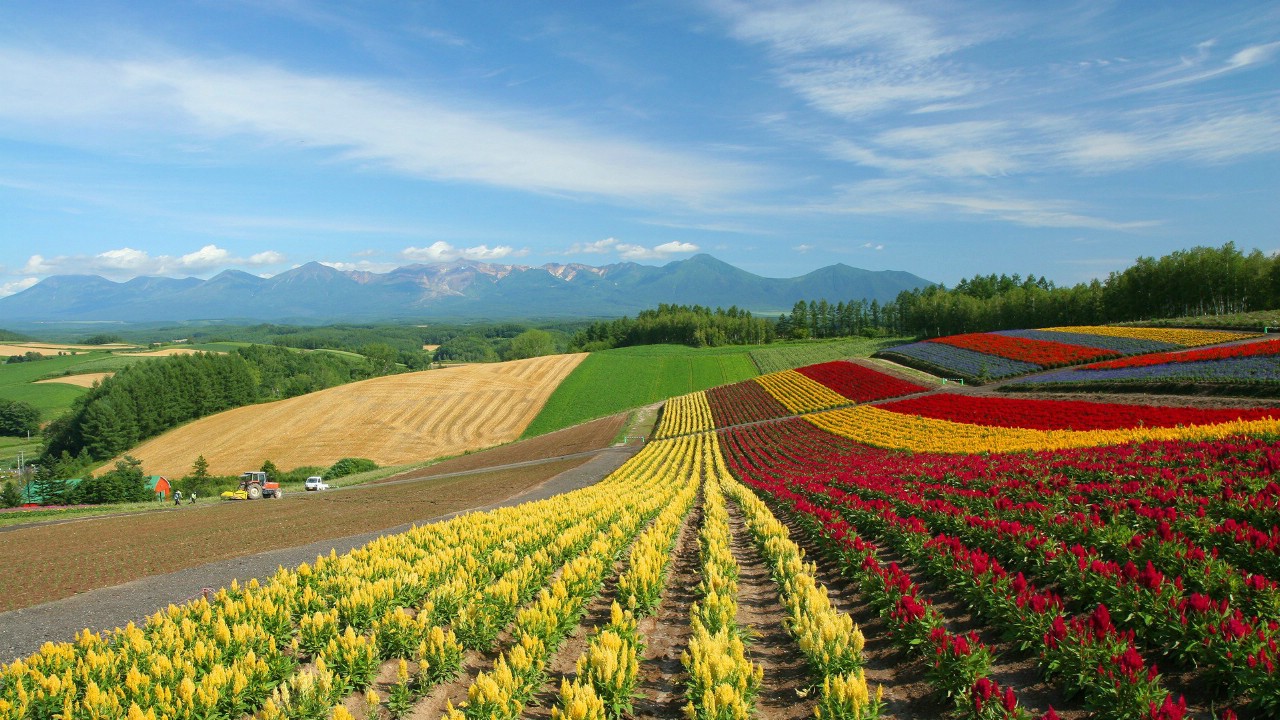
point(691, 325)
point(1202, 281)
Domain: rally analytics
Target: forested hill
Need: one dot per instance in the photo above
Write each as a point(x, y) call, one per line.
point(148, 398)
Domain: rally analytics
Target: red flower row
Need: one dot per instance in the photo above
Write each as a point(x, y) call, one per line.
point(1064, 414)
point(743, 402)
point(1256, 349)
point(858, 382)
point(1045, 353)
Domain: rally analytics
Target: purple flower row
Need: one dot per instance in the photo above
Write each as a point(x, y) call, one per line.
point(966, 363)
point(1233, 370)
point(1123, 345)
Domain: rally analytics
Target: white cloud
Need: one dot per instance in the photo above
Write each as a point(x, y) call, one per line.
point(17, 286)
point(658, 252)
point(145, 103)
point(129, 262)
point(873, 246)
point(803, 248)
point(441, 251)
point(631, 251)
point(598, 247)
point(268, 257)
point(360, 266)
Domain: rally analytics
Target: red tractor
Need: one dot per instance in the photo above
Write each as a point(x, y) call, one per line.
point(254, 485)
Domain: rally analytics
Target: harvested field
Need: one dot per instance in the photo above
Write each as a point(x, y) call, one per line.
point(83, 380)
point(394, 420)
point(595, 435)
point(49, 562)
point(54, 348)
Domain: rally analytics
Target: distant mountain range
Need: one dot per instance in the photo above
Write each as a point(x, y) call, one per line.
point(315, 293)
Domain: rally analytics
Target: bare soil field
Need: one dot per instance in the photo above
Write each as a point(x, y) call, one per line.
point(83, 380)
point(49, 562)
point(394, 420)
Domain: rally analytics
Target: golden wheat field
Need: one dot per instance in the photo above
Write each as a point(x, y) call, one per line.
point(391, 420)
point(83, 380)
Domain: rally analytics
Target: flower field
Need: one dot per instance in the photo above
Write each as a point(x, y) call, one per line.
point(1003, 354)
point(1126, 556)
point(807, 389)
point(1243, 365)
point(1161, 567)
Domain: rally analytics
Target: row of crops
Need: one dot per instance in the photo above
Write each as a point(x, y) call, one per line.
point(823, 386)
point(982, 357)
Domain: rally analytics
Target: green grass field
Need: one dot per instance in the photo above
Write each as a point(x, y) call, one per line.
point(17, 381)
point(611, 381)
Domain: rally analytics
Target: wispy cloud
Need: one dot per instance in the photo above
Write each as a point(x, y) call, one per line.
point(852, 59)
point(1202, 66)
point(128, 262)
point(891, 197)
point(361, 122)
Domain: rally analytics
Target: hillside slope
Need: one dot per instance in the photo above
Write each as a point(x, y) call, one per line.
point(391, 420)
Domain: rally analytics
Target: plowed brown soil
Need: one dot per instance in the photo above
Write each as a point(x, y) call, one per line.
point(56, 561)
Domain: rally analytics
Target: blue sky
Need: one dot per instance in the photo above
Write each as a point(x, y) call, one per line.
point(945, 139)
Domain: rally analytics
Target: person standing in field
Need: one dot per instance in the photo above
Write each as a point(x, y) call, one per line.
point(177, 498)
point(193, 497)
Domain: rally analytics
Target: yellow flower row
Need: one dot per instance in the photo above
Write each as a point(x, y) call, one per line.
point(873, 426)
point(685, 414)
point(800, 393)
point(539, 627)
point(223, 656)
point(722, 683)
point(829, 639)
point(1176, 336)
point(608, 670)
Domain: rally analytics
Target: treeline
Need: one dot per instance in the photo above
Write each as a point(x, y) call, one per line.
point(146, 399)
point(821, 319)
point(692, 325)
point(1199, 281)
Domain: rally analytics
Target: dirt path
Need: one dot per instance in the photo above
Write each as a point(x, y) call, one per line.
point(785, 694)
point(666, 632)
point(23, 631)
